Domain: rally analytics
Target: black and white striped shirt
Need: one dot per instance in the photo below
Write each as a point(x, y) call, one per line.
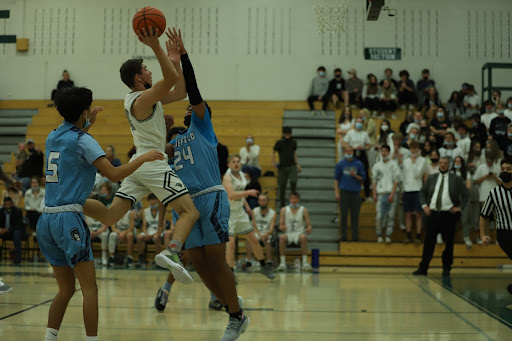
point(499, 202)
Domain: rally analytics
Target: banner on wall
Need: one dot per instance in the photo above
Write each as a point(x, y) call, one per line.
point(382, 53)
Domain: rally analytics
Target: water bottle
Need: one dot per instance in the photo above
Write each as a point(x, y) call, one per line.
point(296, 265)
point(315, 259)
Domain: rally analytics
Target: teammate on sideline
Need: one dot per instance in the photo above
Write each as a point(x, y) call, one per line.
point(196, 162)
point(239, 223)
point(72, 159)
point(294, 222)
point(263, 221)
point(144, 110)
point(122, 231)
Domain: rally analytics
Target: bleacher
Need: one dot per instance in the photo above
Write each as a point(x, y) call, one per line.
point(233, 120)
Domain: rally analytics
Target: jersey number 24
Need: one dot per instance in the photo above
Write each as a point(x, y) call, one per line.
point(185, 154)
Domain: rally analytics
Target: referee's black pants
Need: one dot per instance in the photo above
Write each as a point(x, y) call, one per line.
point(439, 222)
point(505, 241)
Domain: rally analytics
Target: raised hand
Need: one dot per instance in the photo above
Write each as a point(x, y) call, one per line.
point(94, 114)
point(176, 37)
point(172, 50)
point(149, 39)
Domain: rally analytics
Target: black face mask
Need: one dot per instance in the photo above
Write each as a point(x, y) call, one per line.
point(337, 76)
point(434, 160)
point(506, 177)
point(187, 120)
point(31, 149)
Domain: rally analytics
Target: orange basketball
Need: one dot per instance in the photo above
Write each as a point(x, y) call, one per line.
point(149, 16)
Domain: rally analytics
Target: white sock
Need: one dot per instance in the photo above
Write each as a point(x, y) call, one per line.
point(51, 334)
point(283, 259)
point(304, 259)
point(91, 338)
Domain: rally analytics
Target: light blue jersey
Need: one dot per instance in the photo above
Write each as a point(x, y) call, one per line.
point(70, 174)
point(195, 155)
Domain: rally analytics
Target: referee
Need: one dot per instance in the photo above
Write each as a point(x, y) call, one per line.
point(499, 202)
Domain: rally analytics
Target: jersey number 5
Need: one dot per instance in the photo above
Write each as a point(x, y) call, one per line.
point(187, 155)
point(52, 167)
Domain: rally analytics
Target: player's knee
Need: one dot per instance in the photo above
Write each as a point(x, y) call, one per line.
point(67, 292)
point(90, 290)
point(302, 237)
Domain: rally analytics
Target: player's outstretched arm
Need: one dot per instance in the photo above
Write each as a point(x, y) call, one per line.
point(116, 174)
point(179, 91)
point(143, 106)
point(194, 95)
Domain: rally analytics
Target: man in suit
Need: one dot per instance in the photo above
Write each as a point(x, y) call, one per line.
point(442, 198)
point(12, 227)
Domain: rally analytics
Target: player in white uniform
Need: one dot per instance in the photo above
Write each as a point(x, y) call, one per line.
point(263, 221)
point(143, 108)
point(122, 231)
point(294, 222)
point(234, 182)
point(99, 231)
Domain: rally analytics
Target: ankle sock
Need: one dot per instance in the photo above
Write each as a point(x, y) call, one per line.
point(91, 338)
point(262, 262)
point(212, 297)
point(238, 315)
point(175, 245)
point(51, 334)
point(283, 259)
point(167, 286)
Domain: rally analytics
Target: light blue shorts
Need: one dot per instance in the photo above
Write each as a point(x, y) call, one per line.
point(64, 238)
point(212, 227)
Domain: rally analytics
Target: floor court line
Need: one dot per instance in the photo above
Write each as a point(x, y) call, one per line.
point(428, 292)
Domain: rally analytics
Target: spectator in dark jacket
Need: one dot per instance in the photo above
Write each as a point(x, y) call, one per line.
point(33, 166)
point(12, 227)
point(65, 82)
point(336, 90)
point(477, 130)
point(423, 86)
point(406, 90)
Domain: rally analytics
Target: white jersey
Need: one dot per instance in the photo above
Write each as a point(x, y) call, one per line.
point(150, 133)
point(124, 223)
point(94, 225)
point(238, 186)
point(294, 222)
point(263, 222)
point(151, 221)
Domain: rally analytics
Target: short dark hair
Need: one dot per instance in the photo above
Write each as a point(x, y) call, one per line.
point(7, 199)
point(496, 90)
point(295, 194)
point(414, 145)
point(449, 133)
point(404, 73)
point(174, 131)
point(388, 69)
point(129, 69)
point(152, 196)
point(425, 71)
point(471, 87)
point(72, 102)
point(488, 102)
point(506, 159)
point(337, 70)
point(385, 146)
point(287, 130)
point(463, 126)
point(320, 68)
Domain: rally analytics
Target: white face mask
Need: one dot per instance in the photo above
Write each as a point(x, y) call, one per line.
point(384, 128)
point(87, 122)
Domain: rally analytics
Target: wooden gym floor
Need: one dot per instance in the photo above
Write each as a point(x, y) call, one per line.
point(337, 304)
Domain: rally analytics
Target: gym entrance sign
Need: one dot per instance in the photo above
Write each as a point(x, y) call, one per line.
point(382, 53)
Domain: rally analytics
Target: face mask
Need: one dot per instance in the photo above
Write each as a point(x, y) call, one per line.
point(348, 156)
point(425, 77)
point(103, 195)
point(321, 73)
point(409, 118)
point(35, 188)
point(509, 134)
point(423, 128)
point(337, 75)
point(249, 141)
point(488, 110)
point(154, 206)
point(506, 177)
point(86, 123)
point(413, 136)
point(463, 135)
point(510, 105)
point(440, 115)
point(385, 158)
point(449, 143)
point(359, 126)
point(417, 121)
point(384, 128)
point(434, 160)
point(501, 112)
point(187, 120)
point(474, 124)
point(457, 166)
point(264, 207)
point(295, 206)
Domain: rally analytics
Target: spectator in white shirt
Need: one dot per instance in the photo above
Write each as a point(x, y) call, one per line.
point(399, 155)
point(250, 158)
point(345, 123)
point(489, 114)
point(359, 140)
point(464, 143)
point(471, 103)
point(508, 108)
point(450, 149)
point(486, 176)
point(33, 199)
point(386, 177)
point(414, 168)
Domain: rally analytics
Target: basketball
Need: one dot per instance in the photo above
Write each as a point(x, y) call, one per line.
point(149, 16)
